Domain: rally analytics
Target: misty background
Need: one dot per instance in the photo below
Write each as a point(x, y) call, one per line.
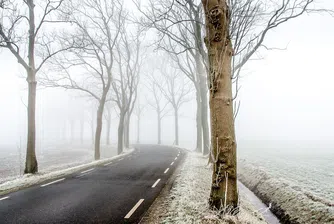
point(286, 98)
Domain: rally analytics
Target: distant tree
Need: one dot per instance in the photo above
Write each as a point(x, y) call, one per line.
point(176, 91)
point(180, 31)
point(158, 103)
point(22, 33)
point(99, 30)
point(138, 111)
point(125, 84)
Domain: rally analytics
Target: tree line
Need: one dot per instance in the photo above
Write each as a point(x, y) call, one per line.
point(96, 47)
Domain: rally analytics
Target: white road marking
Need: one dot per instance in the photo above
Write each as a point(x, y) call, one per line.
point(172, 163)
point(107, 164)
point(166, 170)
point(53, 182)
point(175, 158)
point(134, 209)
point(4, 198)
point(156, 182)
point(86, 171)
point(81, 175)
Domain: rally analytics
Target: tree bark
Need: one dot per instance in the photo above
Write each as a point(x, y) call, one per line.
point(176, 123)
point(120, 134)
point(98, 131)
point(31, 165)
point(224, 179)
point(199, 123)
point(204, 114)
point(127, 131)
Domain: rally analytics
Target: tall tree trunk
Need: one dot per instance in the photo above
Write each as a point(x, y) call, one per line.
point(138, 129)
point(159, 126)
point(199, 141)
point(224, 179)
point(99, 127)
point(204, 114)
point(120, 133)
point(92, 128)
point(176, 123)
point(108, 128)
point(127, 131)
point(31, 165)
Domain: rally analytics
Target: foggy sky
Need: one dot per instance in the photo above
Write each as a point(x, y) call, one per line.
point(286, 96)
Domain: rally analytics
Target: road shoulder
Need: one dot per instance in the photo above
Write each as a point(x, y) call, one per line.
point(184, 199)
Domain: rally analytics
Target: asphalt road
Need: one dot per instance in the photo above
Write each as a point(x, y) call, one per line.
point(119, 192)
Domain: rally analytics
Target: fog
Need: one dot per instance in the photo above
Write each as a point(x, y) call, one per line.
point(285, 97)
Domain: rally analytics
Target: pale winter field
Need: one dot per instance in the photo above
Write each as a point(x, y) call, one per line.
point(51, 158)
point(299, 181)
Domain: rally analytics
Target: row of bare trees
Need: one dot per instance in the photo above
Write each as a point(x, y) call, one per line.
point(233, 32)
point(85, 46)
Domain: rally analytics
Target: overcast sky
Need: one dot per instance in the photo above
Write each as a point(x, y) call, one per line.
point(288, 95)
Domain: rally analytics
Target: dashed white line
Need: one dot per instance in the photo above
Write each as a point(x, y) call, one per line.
point(175, 158)
point(4, 198)
point(53, 182)
point(166, 170)
point(156, 182)
point(172, 163)
point(86, 171)
point(107, 164)
point(134, 209)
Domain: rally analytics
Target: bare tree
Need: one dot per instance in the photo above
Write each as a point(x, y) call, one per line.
point(22, 33)
point(176, 91)
point(235, 31)
point(126, 83)
point(98, 29)
point(153, 84)
point(180, 31)
point(108, 118)
point(138, 111)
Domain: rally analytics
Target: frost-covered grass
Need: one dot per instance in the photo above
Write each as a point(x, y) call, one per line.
point(33, 179)
point(299, 184)
point(52, 158)
point(187, 201)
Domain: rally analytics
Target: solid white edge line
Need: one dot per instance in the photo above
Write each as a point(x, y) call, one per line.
point(44, 185)
point(156, 183)
point(4, 198)
point(172, 163)
point(166, 170)
point(107, 164)
point(134, 209)
point(86, 171)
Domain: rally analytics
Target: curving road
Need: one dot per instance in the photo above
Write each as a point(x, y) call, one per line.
point(117, 192)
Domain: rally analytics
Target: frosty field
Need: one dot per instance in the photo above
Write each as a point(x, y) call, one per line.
point(50, 159)
point(300, 183)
